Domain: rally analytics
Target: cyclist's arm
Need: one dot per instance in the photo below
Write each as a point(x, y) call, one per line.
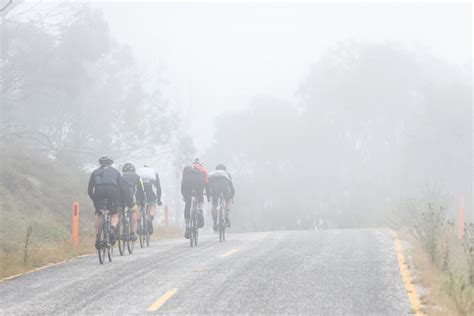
point(182, 183)
point(140, 192)
point(90, 189)
point(158, 189)
point(232, 190)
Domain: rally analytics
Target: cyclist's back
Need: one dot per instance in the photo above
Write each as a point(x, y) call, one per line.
point(151, 183)
point(152, 186)
point(195, 179)
point(220, 182)
point(104, 186)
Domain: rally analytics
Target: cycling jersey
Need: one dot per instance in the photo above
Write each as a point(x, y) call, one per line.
point(195, 178)
point(103, 188)
point(151, 183)
point(132, 190)
point(220, 181)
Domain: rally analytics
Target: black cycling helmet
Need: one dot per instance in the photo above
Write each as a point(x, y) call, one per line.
point(105, 161)
point(221, 167)
point(128, 167)
point(197, 160)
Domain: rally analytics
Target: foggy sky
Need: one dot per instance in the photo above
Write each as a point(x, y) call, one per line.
point(216, 57)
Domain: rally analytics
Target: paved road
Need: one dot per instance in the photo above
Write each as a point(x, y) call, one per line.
point(309, 272)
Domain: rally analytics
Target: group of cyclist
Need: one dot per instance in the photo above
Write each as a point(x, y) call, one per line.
point(113, 191)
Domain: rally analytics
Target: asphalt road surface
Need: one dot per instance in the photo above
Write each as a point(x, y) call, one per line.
point(299, 272)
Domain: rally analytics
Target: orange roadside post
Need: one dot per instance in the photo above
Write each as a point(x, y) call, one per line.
point(461, 219)
point(165, 215)
point(75, 224)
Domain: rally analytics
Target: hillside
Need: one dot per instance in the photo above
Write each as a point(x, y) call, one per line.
point(38, 192)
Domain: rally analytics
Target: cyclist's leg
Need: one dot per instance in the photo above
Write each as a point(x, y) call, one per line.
point(99, 205)
point(151, 199)
point(98, 224)
point(151, 211)
point(113, 200)
point(200, 199)
point(187, 197)
point(134, 219)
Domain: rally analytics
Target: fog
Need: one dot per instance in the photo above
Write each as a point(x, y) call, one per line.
point(322, 112)
point(216, 57)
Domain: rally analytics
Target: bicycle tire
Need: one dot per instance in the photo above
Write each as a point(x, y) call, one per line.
point(120, 235)
point(110, 252)
point(195, 230)
point(102, 250)
point(130, 243)
point(142, 235)
point(147, 236)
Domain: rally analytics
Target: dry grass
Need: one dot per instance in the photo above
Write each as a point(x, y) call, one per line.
point(167, 232)
point(438, 300)
point(12, 264)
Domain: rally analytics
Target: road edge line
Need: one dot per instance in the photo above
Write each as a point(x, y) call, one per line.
point(413, 299)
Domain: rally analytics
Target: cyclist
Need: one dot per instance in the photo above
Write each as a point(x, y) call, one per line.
point(104, 190)
point(220, 181)
point(133, 194)
point(151, 184)
point(195, 178)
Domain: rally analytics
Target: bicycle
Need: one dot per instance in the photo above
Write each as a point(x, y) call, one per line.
point(143, 227)
point(192, 225)
point(124, 232)
point(104, 237)
point(221, 218)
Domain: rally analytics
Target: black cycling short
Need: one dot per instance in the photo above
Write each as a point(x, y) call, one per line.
point(218, 186)
point(150, 192)
point(106, 196)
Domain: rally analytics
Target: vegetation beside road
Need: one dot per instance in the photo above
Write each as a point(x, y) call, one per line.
point(443, 263)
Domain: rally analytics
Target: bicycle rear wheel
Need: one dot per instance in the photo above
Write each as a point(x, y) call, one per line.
point(110, 252)
point(102, 238)
point(221, 226)
point(191, 228)
point(130, 243)
point(142, 233)
point(195, 230)
point(146, 239)
point(121, 234)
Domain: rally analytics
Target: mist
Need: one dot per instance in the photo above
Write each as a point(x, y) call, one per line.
point(322, 112)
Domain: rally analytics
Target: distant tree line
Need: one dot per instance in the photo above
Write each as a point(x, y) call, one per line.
point(374, 122)
point(69, 88)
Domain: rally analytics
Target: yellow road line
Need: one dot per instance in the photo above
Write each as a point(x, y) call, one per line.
point(161, 301)
point(407, 280)
point(230, 252)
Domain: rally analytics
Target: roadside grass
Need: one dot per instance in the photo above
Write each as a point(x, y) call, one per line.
point(36, 195)
point(167, 232)
point(445, 277)
point(435, 301)
point(49, 253)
